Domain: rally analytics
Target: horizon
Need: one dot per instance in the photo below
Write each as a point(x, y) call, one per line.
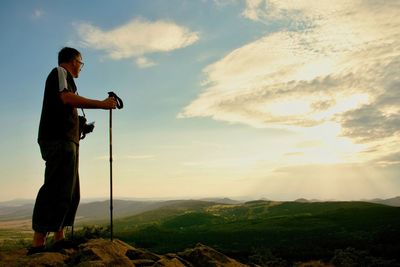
point(155, 199)
point(264, 98)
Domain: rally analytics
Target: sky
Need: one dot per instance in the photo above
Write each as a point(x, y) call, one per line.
point(248, 99)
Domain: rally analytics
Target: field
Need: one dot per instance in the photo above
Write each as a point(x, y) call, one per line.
point(264, 232)
point(15, 233)
point(289, 231)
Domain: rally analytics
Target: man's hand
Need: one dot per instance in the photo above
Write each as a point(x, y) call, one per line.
point(110, 103)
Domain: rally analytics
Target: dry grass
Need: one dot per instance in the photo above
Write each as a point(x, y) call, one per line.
point(21, 225)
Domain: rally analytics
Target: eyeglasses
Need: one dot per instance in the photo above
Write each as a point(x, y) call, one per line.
point(80, 62)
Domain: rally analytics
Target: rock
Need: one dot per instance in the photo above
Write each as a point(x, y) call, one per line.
point(135, 254)
point(104, 253)
point(205, 256)
point(313, 264)
point(8, 258)
point(91, 264)
point(165, 262)
point(43, 259)
point(143, 262)
point(171, 256)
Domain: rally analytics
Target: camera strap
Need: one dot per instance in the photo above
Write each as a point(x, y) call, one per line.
point(83, 112)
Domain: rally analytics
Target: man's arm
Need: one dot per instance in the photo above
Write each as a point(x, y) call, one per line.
point(77, 101)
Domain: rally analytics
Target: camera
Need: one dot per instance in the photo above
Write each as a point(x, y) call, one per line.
point(84, 128)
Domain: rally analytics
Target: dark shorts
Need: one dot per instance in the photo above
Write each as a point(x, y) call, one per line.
point(58, 198)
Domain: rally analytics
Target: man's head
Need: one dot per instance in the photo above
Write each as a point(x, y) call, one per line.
point(70, 59)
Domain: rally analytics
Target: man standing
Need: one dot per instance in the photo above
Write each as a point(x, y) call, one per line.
point(58, 198)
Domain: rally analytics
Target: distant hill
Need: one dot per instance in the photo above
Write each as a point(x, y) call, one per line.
point(302, 200)
point(123, 208)
point(99, 210)
point(221, 200)
point(293, 231)
point(19, 212)
point(395, 201)
point(232, 213)
point(16, 202)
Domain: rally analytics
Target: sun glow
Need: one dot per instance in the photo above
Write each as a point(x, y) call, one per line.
point(315, 68)
point(327, 147)
point(289, 107)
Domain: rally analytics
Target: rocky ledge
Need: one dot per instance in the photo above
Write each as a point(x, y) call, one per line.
point(100, 252)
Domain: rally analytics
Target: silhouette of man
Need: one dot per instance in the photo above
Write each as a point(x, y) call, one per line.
point(58, 198)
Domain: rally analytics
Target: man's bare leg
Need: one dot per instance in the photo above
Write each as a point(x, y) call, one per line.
point(60, 242)
point(39, 239)
point(58, 236)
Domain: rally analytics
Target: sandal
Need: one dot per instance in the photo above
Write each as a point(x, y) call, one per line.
point(35, 250)
point(62, 244)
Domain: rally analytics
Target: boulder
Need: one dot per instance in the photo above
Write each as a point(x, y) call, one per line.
point(42, 259)
point(136, 254)
point(166, 262)
point(202, 255)
point(101, 253)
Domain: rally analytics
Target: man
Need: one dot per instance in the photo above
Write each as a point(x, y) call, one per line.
point(58, 198)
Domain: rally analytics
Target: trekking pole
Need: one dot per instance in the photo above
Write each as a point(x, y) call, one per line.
point(120, 104)
point(111, 181)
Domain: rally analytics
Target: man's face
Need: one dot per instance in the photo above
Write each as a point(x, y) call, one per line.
point(77, 65)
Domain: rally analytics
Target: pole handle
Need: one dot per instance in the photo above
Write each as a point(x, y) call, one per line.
point(120, 103)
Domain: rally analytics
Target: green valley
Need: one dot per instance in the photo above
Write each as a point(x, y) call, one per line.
point(292, 231)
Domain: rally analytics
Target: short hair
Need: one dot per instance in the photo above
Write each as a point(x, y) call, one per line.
point(67, 54)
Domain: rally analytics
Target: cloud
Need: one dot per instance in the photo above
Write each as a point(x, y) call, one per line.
point(37, 14)
point(380, 119)
point(254, 10)
point(143, 63)
point(337, 62)
point(301, 13)
point(137, 38)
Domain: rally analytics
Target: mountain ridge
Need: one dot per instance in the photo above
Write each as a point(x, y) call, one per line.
point(21, 209)
point(263, 230)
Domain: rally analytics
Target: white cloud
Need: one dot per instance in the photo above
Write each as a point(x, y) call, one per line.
point(264, 10)
point(337, 63)
point(137, 38)
point(143, 62)
point(37, 13)
point(254, 9)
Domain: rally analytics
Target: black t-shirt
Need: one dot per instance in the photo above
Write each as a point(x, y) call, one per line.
point(58, 121)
